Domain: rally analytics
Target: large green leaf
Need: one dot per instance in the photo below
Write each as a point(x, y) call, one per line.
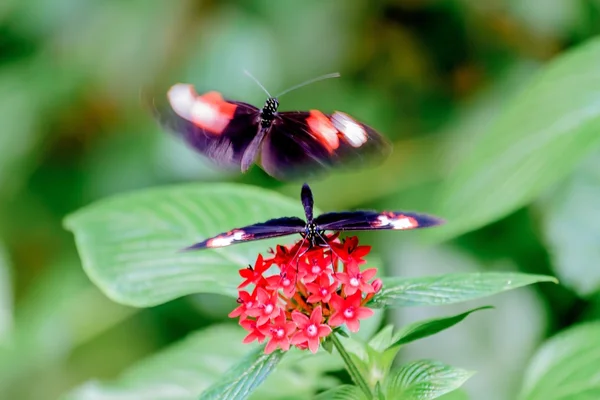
point(129, 244)
point(450, 288)
point(571, 227)
point(424, 379)
point(188, 368)
point(566, 367)
point(539, 139)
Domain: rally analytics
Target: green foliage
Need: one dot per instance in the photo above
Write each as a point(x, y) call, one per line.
point(440, 79)
point(6, 300)
point(343, 392)
point(137, 235)
point(57, 307)
point(566, 366)
point(374, 359)
point(571, 228)
point(541, 136)
point(130, 244)
point(421, 329)
point(424, 379)
point(213, 363)
point(450, 288)
point(243, 378)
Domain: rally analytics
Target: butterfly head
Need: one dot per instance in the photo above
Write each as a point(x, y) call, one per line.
point(267, 114)
point(311, 233)
point(271, 106)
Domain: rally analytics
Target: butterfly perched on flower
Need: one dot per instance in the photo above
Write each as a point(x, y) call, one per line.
point(286, 144)
point(313, 229)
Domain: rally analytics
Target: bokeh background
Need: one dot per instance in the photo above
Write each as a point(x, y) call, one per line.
point(430, 75)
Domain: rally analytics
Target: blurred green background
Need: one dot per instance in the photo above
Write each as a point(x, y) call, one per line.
point(430, 75)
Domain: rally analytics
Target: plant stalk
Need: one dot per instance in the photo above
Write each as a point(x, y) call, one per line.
point(351, 367)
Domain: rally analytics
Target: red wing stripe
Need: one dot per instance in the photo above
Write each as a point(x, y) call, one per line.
point(323, 130)
point(209, 111)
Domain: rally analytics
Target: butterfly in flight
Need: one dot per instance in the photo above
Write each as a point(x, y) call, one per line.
point(286, 144)
point(313, 229)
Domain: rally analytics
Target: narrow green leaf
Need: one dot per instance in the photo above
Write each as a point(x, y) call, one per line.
point(424, 379)
point(566, 367)
point(130, 244)
point(327, 345)
point(240, 381)
point(421, 329)
point(378, 392)
point(344, 392)
point(450, 288)
point(383, 339)
point(571, 227)
point(539, 139)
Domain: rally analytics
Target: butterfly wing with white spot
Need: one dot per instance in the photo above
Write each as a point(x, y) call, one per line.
point(372, 220)
point(272, 228)
point(302, 144)
point(219, 129)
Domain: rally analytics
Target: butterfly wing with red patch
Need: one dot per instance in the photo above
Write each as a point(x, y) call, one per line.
point(372, 220)
point(306, 143)
point(272, 228)
point(218, 128)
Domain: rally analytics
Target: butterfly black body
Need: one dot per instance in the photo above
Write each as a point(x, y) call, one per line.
point(313, 229)
point(286, 144)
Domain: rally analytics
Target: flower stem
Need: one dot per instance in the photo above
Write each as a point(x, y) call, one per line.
point(352, 369)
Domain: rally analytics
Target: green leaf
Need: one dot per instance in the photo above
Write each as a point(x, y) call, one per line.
point(130, 244)
point(421, 329)
point(375, 358)
point(20, 111)
point(186, 369)
point(571, 227)
point(458, 394)
point(344, 392)
point(383, 339)
point(182, 371)
point(241, 380)
point(327, 345)
point(539, 139)
point(6, 297)
point(450, 288)
point(566, 366)
point(61, 304)
point(424, 379)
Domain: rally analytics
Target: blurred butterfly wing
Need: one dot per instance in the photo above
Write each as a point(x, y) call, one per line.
point(219, 129)
point(372, 220)
point(308, 143)
point(272, 228)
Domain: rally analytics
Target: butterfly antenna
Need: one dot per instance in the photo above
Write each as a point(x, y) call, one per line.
point(257, 82)
point(308, 82)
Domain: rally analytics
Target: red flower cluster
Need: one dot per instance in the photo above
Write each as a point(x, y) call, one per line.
point(308, 296)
